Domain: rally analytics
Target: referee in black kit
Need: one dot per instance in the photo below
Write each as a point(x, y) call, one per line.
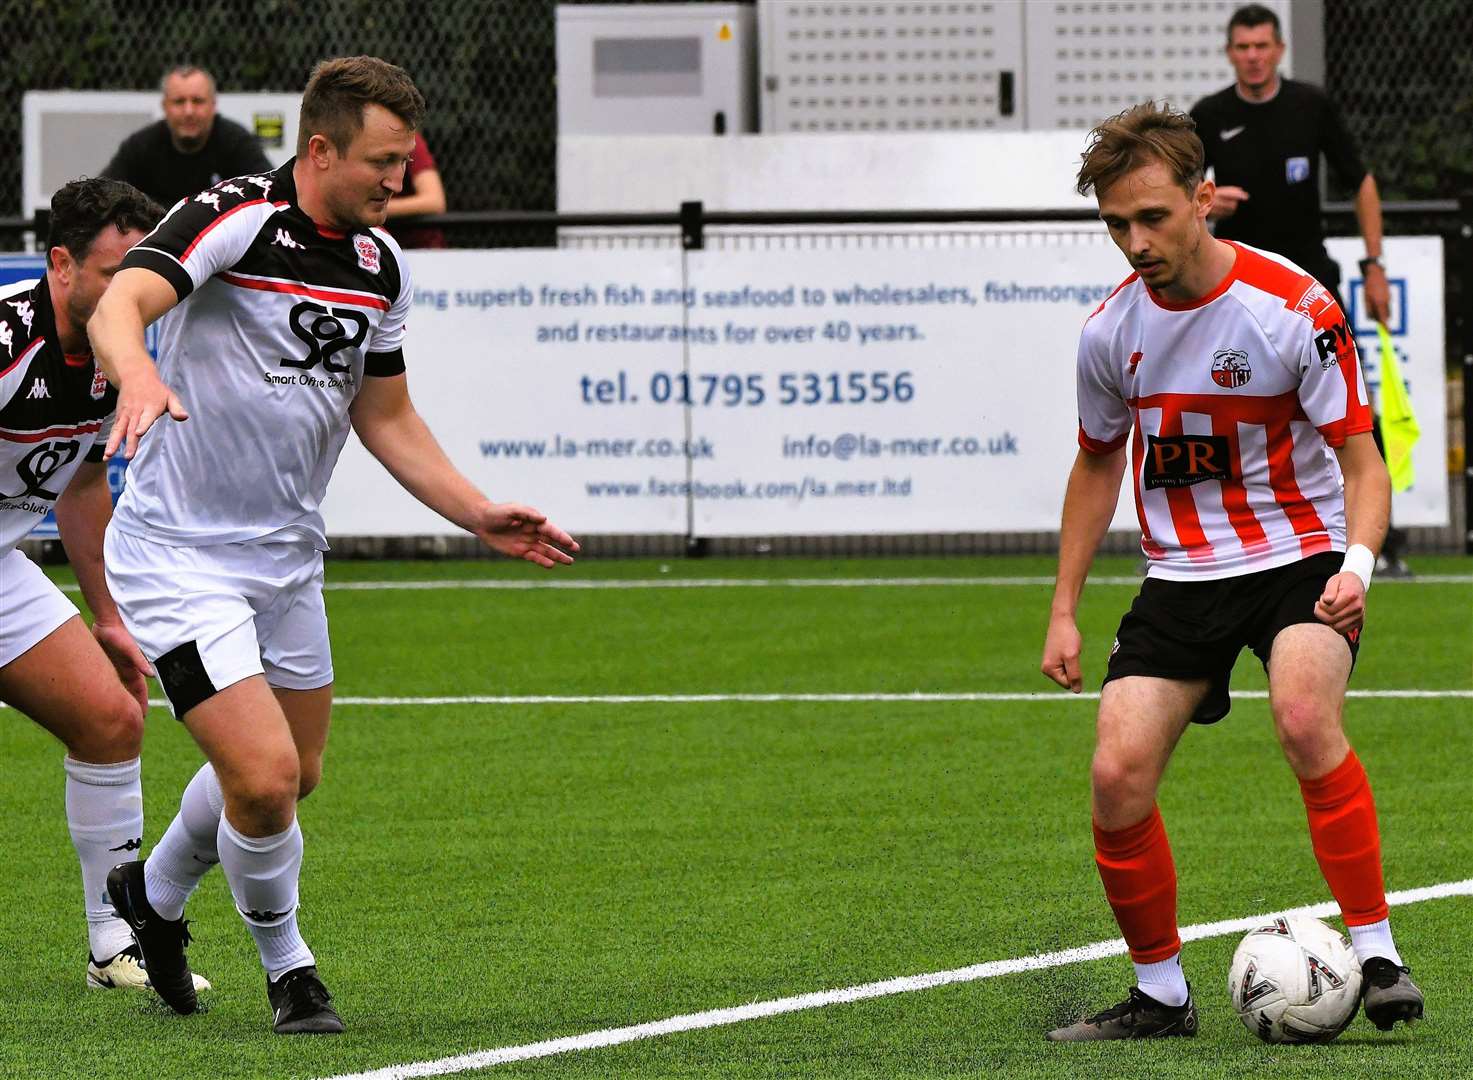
point(1264, 137)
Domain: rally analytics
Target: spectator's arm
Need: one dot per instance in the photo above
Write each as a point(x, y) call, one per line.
point(428, 197)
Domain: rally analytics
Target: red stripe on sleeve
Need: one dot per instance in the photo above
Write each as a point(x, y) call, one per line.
point(1097, 446)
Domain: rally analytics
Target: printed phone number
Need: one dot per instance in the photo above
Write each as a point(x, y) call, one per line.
point(732, 389)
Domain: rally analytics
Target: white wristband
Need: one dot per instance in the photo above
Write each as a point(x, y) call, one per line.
point(1360, 562)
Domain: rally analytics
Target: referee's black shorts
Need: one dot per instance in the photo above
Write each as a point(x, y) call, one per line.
point(1195, 629)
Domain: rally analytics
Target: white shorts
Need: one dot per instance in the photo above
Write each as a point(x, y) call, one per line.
point(30, 606)
point(208, 617)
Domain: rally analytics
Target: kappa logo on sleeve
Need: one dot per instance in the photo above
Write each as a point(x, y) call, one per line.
point(1183, 460)
point(209, 198)
point(23, 309)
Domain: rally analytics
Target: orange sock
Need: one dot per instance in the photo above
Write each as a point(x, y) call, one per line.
point(1347, 841)
point(1140, 883)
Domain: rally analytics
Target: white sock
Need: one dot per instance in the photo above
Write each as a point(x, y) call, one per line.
point(1374, 939)
point(1163, 980)
point(104, 811)
point(187, 851)
point(263, 873)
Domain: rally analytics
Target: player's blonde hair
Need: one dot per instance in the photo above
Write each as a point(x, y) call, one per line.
point(1138, 136)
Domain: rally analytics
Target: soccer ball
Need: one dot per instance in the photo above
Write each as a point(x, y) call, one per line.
point(1295, 980)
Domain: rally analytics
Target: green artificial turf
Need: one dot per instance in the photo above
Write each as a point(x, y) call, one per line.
point(489, 875)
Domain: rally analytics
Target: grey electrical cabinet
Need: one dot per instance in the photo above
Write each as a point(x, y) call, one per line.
point(656, 69)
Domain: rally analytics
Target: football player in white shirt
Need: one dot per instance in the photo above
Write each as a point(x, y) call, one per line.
point(55, 412)
point(288, 307)
point(1234, 377)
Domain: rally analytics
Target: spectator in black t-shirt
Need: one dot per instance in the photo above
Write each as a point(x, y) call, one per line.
point(1264, 137)
point(191, 148)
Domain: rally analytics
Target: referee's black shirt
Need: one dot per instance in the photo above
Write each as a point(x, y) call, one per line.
point(1272, 150)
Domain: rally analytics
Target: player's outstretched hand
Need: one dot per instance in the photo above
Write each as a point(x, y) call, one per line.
point(139, 405)
point(132, 667)
point(1061, 649)
point(524, 533)
point(1342, 606)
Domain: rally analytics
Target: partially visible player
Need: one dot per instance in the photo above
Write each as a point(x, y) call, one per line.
point(87, 689)
point(1233, 375)
point(287, 326)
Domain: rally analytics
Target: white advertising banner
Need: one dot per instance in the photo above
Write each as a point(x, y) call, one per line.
point(1418, 332)
point(891, 390)
point(790, 391)
point(532, 369)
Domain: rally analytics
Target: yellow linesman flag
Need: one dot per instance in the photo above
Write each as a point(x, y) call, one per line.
point(1399, 430)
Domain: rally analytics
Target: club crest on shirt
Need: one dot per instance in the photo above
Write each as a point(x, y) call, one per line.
point(1230, 368)
point(99, 384)
point(367, 252)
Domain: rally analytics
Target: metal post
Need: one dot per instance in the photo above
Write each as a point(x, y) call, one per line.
point(692, 226)
point(692, 238)
point(1462, 324)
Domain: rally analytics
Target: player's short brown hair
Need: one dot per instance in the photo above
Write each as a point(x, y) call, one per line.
point(1139, 135)
point(83, 208)
point(340, 89)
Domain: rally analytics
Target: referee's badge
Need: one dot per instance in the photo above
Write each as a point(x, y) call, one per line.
point(367, 252)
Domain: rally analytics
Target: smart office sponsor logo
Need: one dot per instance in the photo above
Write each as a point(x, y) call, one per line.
point(44, 461)
point(309, 381)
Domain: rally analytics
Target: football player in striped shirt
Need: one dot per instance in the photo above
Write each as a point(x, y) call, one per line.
point(1262, 500)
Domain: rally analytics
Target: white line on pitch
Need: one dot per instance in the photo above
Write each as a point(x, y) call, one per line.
point(710, 699)
point(706, 699)
point(907, 984)
point(701, 699)
point(576, 584)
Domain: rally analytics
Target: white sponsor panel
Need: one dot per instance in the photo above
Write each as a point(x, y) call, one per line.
point(514, 360)
point(904, 390)
point(1418, 329)
point(787, 392)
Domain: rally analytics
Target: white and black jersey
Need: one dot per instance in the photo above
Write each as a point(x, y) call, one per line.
point(279, 321)
point(55, 410)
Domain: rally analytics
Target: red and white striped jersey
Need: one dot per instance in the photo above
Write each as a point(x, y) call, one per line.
point(1231, 403)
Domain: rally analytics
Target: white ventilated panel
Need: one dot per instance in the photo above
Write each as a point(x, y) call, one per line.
point(1089, 59)
point(891, 65)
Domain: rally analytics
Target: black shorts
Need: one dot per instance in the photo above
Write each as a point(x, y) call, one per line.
point(1195, 629)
